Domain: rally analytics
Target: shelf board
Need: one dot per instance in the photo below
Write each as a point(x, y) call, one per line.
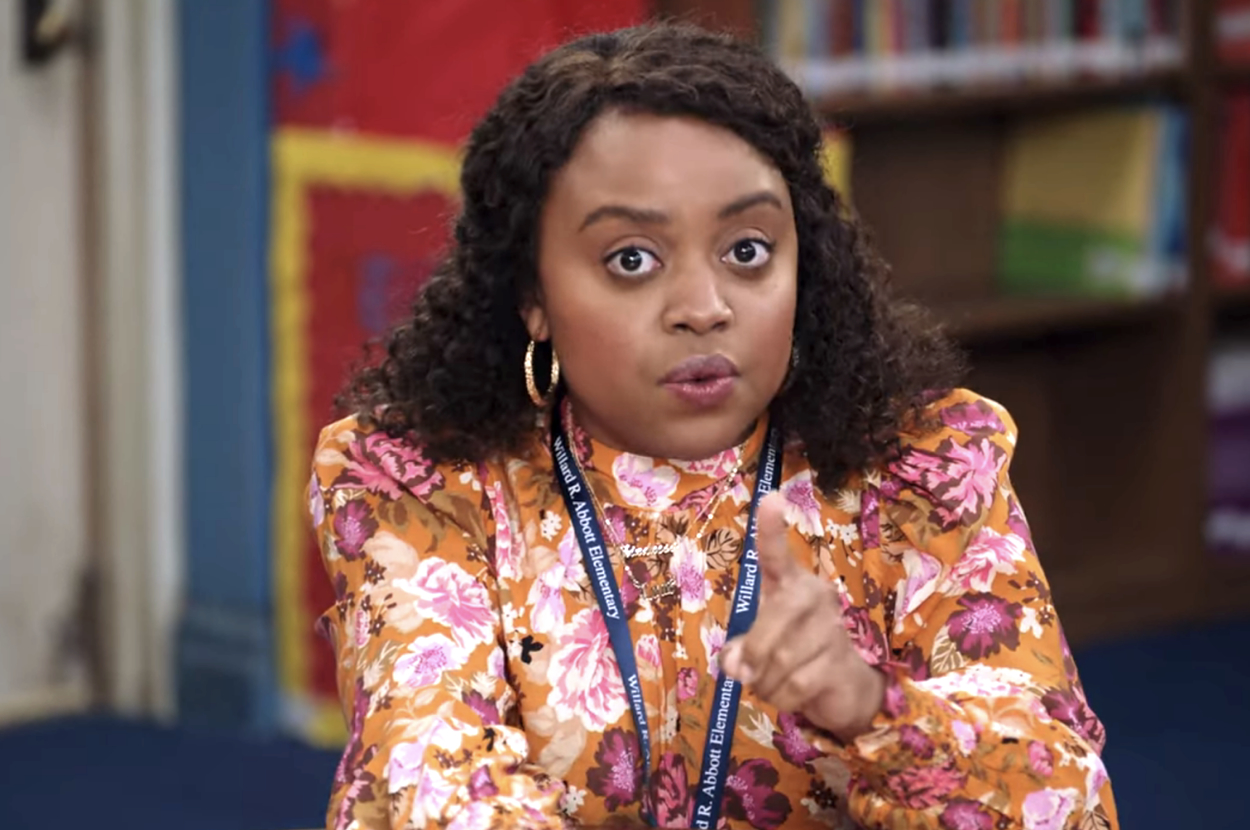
point(1233, 74)
point(1232, 301)
point(1004, 319)
point(991, 99)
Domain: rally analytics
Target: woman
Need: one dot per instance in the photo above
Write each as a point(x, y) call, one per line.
point(566, 591)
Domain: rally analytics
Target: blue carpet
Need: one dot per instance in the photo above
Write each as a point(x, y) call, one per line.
point(1176, 706)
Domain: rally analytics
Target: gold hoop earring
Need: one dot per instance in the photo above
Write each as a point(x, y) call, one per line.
point(530, 385)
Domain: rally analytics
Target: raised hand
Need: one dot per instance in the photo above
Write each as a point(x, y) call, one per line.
point(797, 655)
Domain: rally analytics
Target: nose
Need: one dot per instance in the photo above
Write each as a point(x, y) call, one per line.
point(696, 301)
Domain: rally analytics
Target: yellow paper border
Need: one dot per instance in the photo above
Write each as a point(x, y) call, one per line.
point(302, 159)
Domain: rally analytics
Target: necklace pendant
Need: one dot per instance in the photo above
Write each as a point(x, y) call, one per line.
point(668, 589)
point(631, 551)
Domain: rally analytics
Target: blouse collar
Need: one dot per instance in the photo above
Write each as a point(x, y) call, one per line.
point(657, 484)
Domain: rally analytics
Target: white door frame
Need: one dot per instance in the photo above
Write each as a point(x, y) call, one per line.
point(138, 356)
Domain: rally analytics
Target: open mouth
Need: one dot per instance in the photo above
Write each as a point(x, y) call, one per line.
point(703, 381)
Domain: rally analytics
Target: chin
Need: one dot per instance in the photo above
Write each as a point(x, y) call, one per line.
point(699, 438)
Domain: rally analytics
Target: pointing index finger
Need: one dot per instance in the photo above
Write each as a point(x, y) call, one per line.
point(776, 560)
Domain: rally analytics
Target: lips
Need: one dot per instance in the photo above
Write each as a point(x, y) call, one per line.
point(702, 369)
point(702, 382)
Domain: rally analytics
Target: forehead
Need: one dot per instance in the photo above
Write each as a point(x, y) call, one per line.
point(665, 162)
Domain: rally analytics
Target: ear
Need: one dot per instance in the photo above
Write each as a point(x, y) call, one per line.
point(535, 318)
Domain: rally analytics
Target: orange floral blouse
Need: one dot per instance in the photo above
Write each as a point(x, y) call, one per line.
point(481, 690)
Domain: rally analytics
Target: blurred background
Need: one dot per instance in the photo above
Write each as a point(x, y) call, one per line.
point(206, 206)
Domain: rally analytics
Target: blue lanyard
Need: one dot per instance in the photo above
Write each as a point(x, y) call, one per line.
point(715, 770)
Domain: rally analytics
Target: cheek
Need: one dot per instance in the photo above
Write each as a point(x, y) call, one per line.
point(600, 335)
point(772, 325)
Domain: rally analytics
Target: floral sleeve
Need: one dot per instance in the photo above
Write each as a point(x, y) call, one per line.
point(416, 632)
point(985, 724)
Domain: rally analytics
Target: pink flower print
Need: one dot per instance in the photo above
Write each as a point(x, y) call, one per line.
point(507, 551)
point(713, 637)
point(476, 815)
point(866, 636)
point(751, 795)
point(922, 787)
point(984, 625)
point(1049, 809)
point(717, 467)
point(407, 762)
point(915, 741)
point(426, 659)
point(672, 805)
point(316, 502)
point(1016, 520)
point(802, 508)
point(546, 596)
point(363, 624)
point(1069, 708)
point(445, 592)
point(648, 649)
point(431, 794)
point(913, 659)
point(617, 777)
point(923, 573)
point(962, 478)
point(964, 814)
point(869, 518)
point(485, 708)
point(966, 737)
point(974, 418)
point(895, 703)
point(495, 662)
point(689, 570)
point(481, 785)
point(1095, 773)
point(1040, 759)
point(353, 526)
point(585, 680)
point(789, 740)
point(989, 554)
point(971, 480)
point(387, 466)
point(642, 484)
point(687, 683)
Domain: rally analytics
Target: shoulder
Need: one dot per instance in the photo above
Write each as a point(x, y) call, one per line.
point(351, 455)
point(960, 416)
point(951, 462)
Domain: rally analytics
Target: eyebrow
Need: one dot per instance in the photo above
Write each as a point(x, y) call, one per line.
point(650, 216)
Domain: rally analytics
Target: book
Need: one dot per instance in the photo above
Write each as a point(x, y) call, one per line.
point(856, 46)
point(1093, 203)
point(1228, 240)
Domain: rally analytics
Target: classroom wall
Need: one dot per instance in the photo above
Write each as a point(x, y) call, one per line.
point(43, 545)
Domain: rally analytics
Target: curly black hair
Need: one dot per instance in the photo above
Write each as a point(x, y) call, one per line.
point(451, 377)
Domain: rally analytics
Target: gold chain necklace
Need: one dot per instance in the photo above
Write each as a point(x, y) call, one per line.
point(630, 552)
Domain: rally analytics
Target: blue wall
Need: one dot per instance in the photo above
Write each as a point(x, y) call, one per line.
point(226, 666)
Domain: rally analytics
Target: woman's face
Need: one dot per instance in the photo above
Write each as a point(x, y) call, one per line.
point(667, 267)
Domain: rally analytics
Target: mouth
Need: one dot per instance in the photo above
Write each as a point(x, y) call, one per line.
point(702, 369)
point(702, 382)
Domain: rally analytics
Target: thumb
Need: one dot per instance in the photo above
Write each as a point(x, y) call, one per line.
point(776, 560)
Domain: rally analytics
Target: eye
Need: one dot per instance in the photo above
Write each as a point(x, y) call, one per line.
point(632, 262)
point(749, 253)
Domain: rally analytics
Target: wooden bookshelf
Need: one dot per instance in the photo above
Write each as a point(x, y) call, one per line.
point(1233, 302)
point(997, 319)
point(982, 99)
point(1109, 395)
point(1233, 74)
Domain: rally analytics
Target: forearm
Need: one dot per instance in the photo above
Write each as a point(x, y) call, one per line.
point(974, 748)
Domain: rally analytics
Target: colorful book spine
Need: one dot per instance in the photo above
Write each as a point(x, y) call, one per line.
point(926, 43)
